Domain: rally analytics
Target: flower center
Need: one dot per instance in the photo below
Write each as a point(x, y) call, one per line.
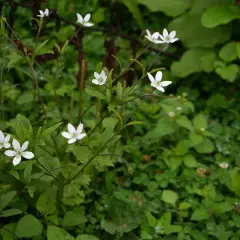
point(19, 153)
point(1, 144)
point(167, 38)
point(74, 135)
point(100, 80)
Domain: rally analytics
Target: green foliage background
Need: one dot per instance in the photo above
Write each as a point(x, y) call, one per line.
point(162, 179)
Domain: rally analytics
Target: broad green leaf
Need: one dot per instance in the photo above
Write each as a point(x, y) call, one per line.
point(194, 60)
point(28, 226)
point(86, 237)
point(183, 121)
point(46, 203)
point(235, 180)
point(206, 146)
point(200, 121)
point(184, 205)
point(74, 218)
point(200, 214)
point(27, 173)
point(228, 73)
point(190, 161)
point(10, 212)
point(47, 132)
point(215, 16)
point(151, 219)
point(183, 147)
point(221, 208)
point(94, 93)
point(8, 231)
point(169, 196)
point(228, 52)
point(56, 233)
point(172, 229)
point(133, 8)
point(171, 8)
point(195, 139)
point(5, 199)
point(186, 26)
point(238, 49)
point(175, 162)
point(108, 226)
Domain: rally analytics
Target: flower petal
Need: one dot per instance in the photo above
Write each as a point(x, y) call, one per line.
point(160, 88)
point(165, 33)
point(7, 138)
point(6, 145)
point(80, 128)
point(95, 81)
point(172, 34)
point(1, 136)
point(41, 12)
point(80, 18)
point(66, 135)
point(173, 40)
point(162, 37)
point(71, 128)
point(81, 136)
point(148, 33)
point(103, 74)
point(155, 35)
point(72, 140)
point(46, 12)
point(28, 155)
point(16, 144)
point(151, 78)
point(158, 76)
point(165, 83)
point(10, 153)
point(87, 17)
point(24, 146)
point(16, 160)
point(88, 24)
point(96, 75)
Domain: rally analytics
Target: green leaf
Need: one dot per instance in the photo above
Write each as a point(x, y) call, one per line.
point(133, 8)
point(47, 132)
point(46, 203)
point(10, 212)
point(94, 93)
point(86, 237)
point(184, 205)
point(183, 121)
point(190, 161)
point(7, 231)
point(6, 199)
point(229, 52)
point(108, 226)
point(56, 233)
point(206, 146)
point(151, 219)
point(221, 208)
point(194, 60)
point(195, 139)
point(235, 180)
point(74, 218)
point(169, 196)
point(186, 26)
point(229, 72)
point(28, 226)
point(27, 173)
point(175, 162)
point(238, 49)
point(134, 123)
point(183, 147)
point(171, 8)
point(200, 121)
point(200, 214)
point(215, 16)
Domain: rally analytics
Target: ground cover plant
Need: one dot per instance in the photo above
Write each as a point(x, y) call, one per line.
point(119, 120)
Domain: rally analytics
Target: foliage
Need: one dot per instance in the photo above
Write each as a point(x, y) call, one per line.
point(149, 165)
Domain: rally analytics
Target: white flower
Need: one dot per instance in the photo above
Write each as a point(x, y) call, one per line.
point(84, 21)
point(100, 79)
point(4, 140)
point(179, 108)
point(224, 165)
point(74, 134)
point(44, 13)
point(156, 82)
point(202, 129)
point(168, 38)
point(19, 152)
point(171, 114)
point(153, 37)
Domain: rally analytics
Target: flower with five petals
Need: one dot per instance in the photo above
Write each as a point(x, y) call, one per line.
point(44, 13)
point(84, 20)
point(4, 140)
point(100, 79)
point(168, 37)
point(19, 152)
point(156, 82)
point(153, 37)
point(74, 134)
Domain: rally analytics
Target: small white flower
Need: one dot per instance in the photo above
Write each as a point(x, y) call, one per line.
point(153, 37)
point(224, 165)
point(84, 20)
point(202, 129)
point(168, 38)
point(171, 114)
point(74, 134)
point(44, 13)
point(19, 152)
point(100, 79)
point(4, 140)
point(179, 108)
point(156, 82)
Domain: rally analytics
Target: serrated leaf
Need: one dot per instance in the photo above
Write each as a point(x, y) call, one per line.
point(200, 121)
point(94, 93)
point(229, 72)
